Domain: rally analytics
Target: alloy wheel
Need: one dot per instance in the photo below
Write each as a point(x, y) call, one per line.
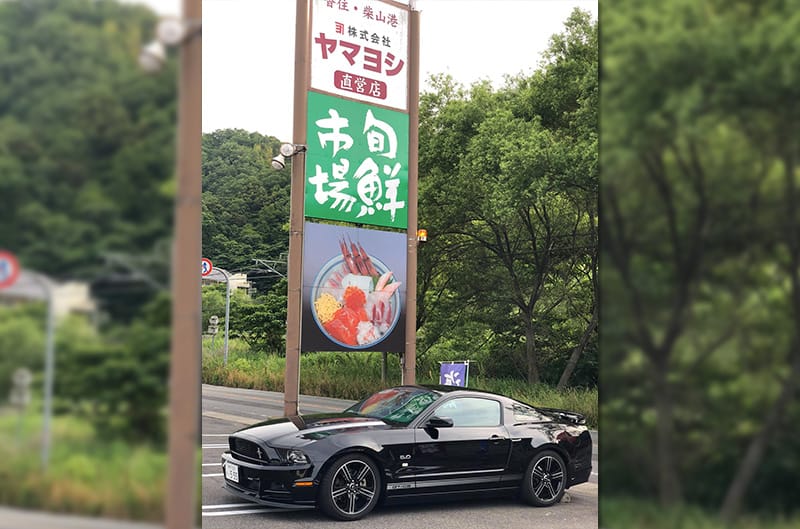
point(547, 478)
point(353, 487)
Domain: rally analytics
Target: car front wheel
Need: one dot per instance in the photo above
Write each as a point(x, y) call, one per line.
point(545, 479)
point(350, 488)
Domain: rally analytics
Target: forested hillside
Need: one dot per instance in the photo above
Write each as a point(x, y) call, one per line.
point(245, 200)
point(86, 138)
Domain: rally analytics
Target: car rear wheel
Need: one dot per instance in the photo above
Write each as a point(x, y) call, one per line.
point(350, 488)
point(545, 479)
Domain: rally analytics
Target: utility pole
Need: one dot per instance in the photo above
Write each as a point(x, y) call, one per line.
point(184, 378)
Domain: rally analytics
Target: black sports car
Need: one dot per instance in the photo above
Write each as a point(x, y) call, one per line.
point(410, 443)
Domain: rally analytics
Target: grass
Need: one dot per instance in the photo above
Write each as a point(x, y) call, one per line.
point(354, 375)
point(627, 513)
point(86, 474)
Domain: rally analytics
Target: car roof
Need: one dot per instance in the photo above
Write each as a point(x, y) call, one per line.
point(442, 390)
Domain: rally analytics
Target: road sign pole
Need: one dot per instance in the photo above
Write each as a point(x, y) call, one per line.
point(49, 375)
point(49, 366)
point(227, 314)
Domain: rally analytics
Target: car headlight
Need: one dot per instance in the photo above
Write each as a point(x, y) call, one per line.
point(296, 457)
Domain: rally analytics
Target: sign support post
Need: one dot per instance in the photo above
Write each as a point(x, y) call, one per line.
point(358, 78)
point(291, 386)
point(409, 364)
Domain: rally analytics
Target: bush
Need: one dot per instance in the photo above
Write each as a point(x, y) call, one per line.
point(355, 375)
point(627, 513)
point(22, 336)
point(87, 474)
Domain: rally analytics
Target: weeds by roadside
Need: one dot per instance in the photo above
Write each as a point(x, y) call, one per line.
point(630, 513)
point(355, 375)
point(87, 474)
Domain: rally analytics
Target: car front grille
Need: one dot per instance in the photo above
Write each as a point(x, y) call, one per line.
point(250, 450)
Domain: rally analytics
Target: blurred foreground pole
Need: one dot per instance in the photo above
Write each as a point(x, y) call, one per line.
point(184, 381)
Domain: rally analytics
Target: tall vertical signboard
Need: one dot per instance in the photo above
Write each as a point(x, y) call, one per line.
point(356, 172)
point(354, 289)
point(359, 50)
point(357, 164)
point(352, 284)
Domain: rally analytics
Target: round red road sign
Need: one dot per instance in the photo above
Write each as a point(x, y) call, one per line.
point(9, 269)
point(208, 267)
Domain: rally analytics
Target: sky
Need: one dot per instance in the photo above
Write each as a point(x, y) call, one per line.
point(248, 51)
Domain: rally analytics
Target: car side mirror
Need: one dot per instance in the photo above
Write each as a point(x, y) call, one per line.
point(439, 422)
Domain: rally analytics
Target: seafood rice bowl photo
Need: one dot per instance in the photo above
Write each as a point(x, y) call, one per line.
point(355, 299)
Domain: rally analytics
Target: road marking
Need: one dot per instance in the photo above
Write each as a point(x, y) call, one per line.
point(212, 475)
point(227, 505)
point(216, 434)
point(216, 446)
point(274, 400)
point(248, 511)
point(211, 464)
point(231, 418)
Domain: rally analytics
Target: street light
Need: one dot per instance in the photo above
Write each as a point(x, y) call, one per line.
point(287, 150)
point(152, 57)
point(170, 32)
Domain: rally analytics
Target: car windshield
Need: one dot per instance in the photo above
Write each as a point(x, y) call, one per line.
point(395, 405)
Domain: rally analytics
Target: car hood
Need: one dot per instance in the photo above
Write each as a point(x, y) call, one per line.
point(299, 429)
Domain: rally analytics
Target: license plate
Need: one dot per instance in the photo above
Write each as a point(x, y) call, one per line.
point(232, 472)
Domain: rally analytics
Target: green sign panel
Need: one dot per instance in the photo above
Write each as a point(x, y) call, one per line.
point(357, 163)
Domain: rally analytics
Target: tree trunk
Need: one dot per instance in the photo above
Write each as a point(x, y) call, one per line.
point(669, 489)
point(384, 367)
point(530, 353)
point(577, 352)
point(758, 446)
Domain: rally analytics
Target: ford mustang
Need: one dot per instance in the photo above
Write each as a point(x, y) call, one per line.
point(410, 443)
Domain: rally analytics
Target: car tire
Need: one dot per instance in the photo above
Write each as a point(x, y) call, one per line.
point(350, 488)
point(545, 479)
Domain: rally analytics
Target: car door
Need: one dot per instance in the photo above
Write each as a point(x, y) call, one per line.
point(471, 454)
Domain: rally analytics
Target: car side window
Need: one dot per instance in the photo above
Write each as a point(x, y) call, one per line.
point(468, 411)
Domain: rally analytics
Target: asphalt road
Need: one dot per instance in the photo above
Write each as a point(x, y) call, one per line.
point(228, 409)
point(14, 518)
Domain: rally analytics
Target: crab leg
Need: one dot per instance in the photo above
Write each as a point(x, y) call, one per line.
point(383, 280)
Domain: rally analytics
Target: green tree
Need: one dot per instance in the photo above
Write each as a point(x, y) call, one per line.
point(22, 336)
point(508, 187)
point(118, 378)
point(261, 321)
point(700, 248)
